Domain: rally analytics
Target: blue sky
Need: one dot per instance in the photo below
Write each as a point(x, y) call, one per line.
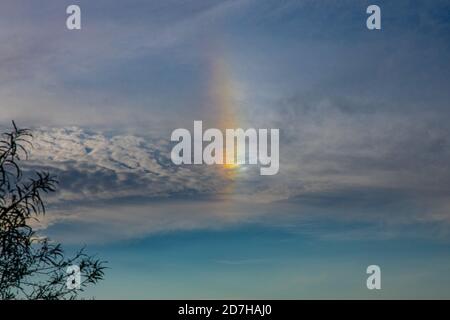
point(364, 142)
point(267, 263)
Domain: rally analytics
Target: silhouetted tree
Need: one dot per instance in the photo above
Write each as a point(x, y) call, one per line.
point(32, 266)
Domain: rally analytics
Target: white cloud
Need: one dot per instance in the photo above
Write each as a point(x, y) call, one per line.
point(93, 166)
point(124, 186)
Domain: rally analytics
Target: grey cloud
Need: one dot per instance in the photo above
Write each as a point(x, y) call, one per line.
point(117, 60)
point(362, 118)
point(342, 172)
point(92, 167)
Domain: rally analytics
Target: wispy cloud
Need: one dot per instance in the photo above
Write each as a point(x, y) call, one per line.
point(127, 186)
point(363, 116)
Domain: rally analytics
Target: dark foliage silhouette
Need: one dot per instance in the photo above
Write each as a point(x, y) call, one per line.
point(32, 266)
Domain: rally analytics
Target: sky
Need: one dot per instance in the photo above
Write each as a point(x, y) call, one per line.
point(364, 142)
